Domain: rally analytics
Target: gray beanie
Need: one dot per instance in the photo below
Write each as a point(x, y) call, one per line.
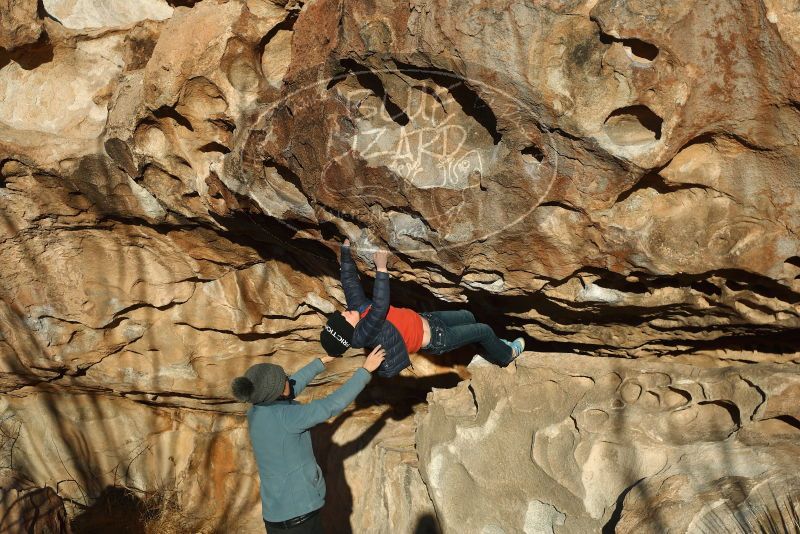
point(263, 382)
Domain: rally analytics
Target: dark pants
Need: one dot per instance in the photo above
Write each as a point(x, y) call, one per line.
point(312, 526)
point(453, 329)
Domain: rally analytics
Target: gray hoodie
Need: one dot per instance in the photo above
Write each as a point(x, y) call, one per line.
point(291, 480)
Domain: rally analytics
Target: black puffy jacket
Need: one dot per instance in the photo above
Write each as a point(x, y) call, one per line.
point(373, 329)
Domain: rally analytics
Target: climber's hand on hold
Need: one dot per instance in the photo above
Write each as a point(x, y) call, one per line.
point(381, 257)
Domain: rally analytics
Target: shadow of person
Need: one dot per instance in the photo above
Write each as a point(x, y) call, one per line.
point(402, 394)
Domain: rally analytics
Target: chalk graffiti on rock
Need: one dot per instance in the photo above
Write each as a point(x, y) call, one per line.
point(429, 151)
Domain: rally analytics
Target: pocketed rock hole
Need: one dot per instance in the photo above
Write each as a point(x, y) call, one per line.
point(29, 56)
point(3, 173)
point(633, 125)
point(371, 81)
point(214, 146)
point(792, 263)
point(182, 3)
point(535, 152)
point(640, 51)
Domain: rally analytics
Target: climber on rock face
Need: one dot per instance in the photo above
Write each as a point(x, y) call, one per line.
point(401, 331)
point(292, 487)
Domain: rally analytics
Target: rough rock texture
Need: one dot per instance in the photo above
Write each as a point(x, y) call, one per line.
point(37, 511)
point(627, 446)
point(608, 178)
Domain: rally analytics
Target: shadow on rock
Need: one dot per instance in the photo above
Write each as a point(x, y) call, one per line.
point(115, 510)
point(403, 395)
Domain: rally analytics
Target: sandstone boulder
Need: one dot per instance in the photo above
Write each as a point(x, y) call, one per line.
point(566, 443)
point(615, 181)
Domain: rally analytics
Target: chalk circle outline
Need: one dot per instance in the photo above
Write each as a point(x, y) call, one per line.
point(548, 149)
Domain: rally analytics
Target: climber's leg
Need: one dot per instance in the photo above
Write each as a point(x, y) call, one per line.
point(454, 317)
point(445, 338)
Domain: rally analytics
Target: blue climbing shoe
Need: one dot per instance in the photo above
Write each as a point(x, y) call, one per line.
point(517, 346)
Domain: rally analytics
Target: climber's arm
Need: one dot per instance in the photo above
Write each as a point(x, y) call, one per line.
point(351, 283)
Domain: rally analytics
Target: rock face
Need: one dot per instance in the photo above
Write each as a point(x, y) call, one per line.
point(37, 510)
point(613, 445)
point(609, 179)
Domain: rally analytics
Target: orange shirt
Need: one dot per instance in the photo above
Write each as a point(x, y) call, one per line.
point(408, 323)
